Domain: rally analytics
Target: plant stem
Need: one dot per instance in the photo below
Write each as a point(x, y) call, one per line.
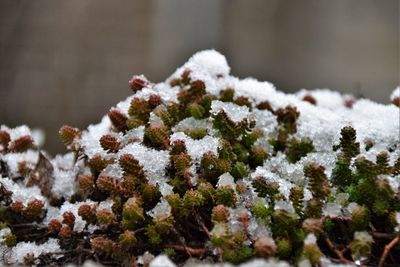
point(387, 249)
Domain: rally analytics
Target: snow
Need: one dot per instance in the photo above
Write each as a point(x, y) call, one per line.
point(191, 123)
point(254, 89)
point(64, 176)
point(284, 205)
point(38, 136)
point(13, 160)
point(325, 98)
point(235, 112)
point(113, 170)
point(134, 134)
point(397, 228)
point(90, 138)
point(153, 161)
point(265, 120)
point(196, 148)
point(166, 93)
point(56, 213)
point(18, 252)
point(162, 209)
point(165, 189)
point(22, 193)
point(376, 121)
point(332, 210)
point(162, 261)
point(310, 239)
point(17, 132)
point(226, 179)
point(284, 185)
point(395, 93)
point(79, 226)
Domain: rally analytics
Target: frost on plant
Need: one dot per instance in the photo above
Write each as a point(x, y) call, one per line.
point(205, 166)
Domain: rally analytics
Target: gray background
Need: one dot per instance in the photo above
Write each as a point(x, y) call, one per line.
point(69, 61)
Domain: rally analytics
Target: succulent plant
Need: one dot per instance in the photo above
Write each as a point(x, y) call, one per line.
point(210, 167)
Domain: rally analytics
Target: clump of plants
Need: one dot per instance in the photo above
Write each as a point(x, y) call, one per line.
point(206, 166)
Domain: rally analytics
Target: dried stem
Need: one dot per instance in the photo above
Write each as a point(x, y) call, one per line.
point(338, 253)
point(382, 235)
point(203, 227)
point(192, 251)
point(387, 249)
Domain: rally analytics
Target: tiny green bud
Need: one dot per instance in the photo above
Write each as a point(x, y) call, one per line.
point(196, 110)
point(220, 214)
point(68, 134)
point(312, 253)
point(131, 165)
point(239, 170)
point(226, 196)
point(10, 240)
point(360, 218)
point(132, 214)
point(156, 136)
point(284, 248)
point(227, 95)
point(361, 245)
point(105, 217)
point(265, 247)
point(118, 119)
point(127, 239)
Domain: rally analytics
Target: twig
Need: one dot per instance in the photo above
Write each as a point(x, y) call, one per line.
point(140, 230)
point(182, 241)
point(192, 251)
point(382, 235)
point(338, 253)
point(387, 249)
point(203, 227)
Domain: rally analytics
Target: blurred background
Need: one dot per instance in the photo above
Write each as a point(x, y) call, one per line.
point(68, 62)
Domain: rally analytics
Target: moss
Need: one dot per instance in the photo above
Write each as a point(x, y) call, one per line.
point(196, 133)
point(226, 196)
point(297, 198)
point(260, 210)
point(159, 229)
point(318, 182)
point(156, 136)
point(132, 214)
point(239, 170)
point(265, 188)
point(196, 111)
point(118, 120)
point(227, 95)
point(348, 144)
point(296, 149)
point(10, 240)
point(312, 253)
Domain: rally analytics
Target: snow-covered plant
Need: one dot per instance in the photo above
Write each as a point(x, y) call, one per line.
point(208, 166)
